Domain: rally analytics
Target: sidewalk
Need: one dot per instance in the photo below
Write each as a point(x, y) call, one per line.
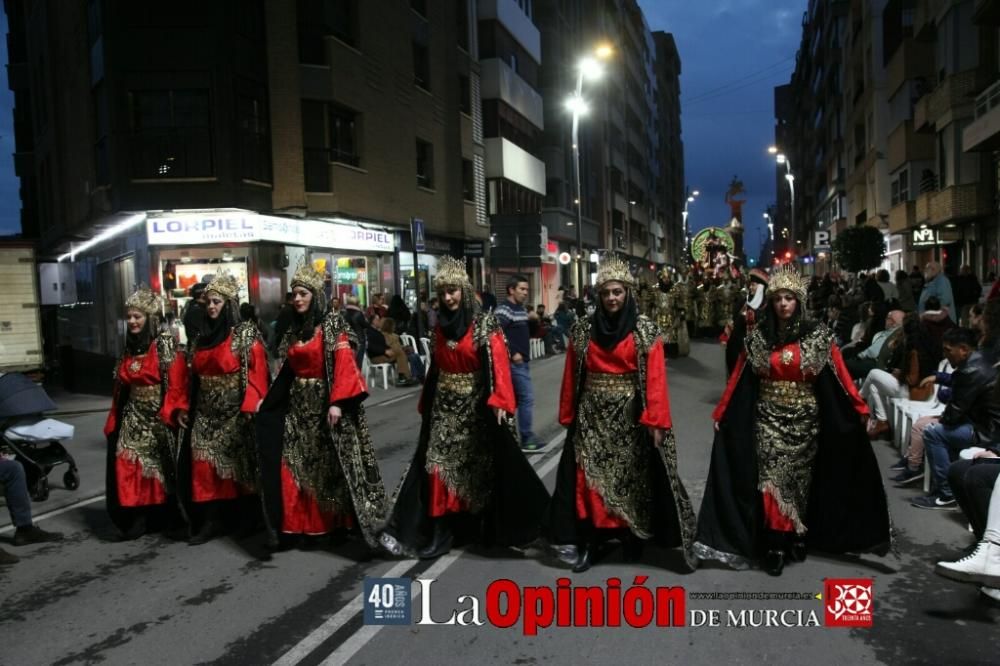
point(72, 404)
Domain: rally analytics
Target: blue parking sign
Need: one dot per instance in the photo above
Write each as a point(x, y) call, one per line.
point(387, 600)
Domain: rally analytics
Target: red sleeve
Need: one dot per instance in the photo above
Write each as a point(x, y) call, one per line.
point(347, 380)
point(503, 385)
point(860, 406)
point(177, 391)
point(258, 377)
point(112, 421)
point(567, 394)
point(657, 412)
point(994, 291)
point(734, 379)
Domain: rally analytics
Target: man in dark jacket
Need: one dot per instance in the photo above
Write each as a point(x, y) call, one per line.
point(194, 313)
point(969, 408)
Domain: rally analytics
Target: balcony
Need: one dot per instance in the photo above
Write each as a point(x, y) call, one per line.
point(958, 202)
point(954, 95)
point(640, 215)
point(907, 145)
point(517, 23)
point(911, 60)
point(501, 82)
point(902, 216)
point(509, 161)
point(983, 133)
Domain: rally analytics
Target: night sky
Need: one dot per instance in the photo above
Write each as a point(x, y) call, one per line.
point(733, 53)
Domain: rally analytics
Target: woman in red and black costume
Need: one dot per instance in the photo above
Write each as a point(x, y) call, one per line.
point(618, 475)
point(150, 391)
point(468, 474)
point(229, 379)
point(792, 466)
point(319, 474)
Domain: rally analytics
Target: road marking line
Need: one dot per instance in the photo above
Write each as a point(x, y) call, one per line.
point(339, 619)
point(56, 512)
point(362, 636)
point(393, 400)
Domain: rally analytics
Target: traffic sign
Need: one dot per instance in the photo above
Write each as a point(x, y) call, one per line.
point(564, 258)
point(417, 230)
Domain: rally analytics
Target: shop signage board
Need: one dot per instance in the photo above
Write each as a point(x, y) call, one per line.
point(821, 241)
point(474, 249)
point(239, 227)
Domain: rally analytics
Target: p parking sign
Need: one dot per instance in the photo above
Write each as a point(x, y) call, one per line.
point(387, 601)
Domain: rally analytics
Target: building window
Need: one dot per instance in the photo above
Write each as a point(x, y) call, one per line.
point(255, 142)
point(171, 133)
point(464, 95)
point(462, 23)
point(421, 66)
point(315, 151)
point(425, 164)
point(468, 181)
point(319, 18)
point(344, 135)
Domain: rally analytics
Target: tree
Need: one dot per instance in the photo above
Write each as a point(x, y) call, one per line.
point(859, 248)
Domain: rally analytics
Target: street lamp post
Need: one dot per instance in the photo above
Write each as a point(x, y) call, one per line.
point(770, 230)
point(684, 215)
point(781, 158)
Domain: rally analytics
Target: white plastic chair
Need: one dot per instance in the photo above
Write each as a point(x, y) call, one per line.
point(906, 411)
point(536, 348)
point(370, 371)
point(409, 341)
point(426, 344)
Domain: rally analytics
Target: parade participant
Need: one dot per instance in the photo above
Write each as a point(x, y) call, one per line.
point(468, 467)
point(618, 472)
point(150, 391)
point(746, 318)
point(791, 453)
point(318, 468)
point(664, 310)
point(229, 378)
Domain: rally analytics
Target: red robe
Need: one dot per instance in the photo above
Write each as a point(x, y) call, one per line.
point(207, 485)
point(465, 358)
point(622, 359)
point(134, 489)
point(791, 372)
point(301, 513)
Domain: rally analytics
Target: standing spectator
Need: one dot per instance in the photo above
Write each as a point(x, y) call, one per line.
point(936, 319)
point(488, 299)
point(917, 282)
point(357, 321)
point(967, 292)
point(907, 301)
point(401, 314)
point(194, 315)
point(432, 314)
point(15, 489)
point(873, 292)
point(513, 320)
point(889, 290)
point(937, 284)
point(249, 313)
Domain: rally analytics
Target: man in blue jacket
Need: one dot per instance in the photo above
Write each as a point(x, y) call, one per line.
point(936, 283)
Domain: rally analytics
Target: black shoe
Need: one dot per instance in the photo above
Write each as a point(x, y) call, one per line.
point(34, 534)
point(797, 551)
point(907, 476)
point(440, 541)
point(583, 562)
point(8, 558)
point(774, 562)
point(901, 465)
point(208, 531)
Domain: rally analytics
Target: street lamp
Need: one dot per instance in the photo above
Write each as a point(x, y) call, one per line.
point(770, 230)
point(684, 215)
point(781, 158)
point(588, 68)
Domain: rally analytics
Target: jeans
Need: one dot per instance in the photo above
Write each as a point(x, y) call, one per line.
point(521, 376)
point(15, 490)
point(943, 442)
point(972, 482)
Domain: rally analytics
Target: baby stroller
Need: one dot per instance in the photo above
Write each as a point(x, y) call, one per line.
point(34, 440)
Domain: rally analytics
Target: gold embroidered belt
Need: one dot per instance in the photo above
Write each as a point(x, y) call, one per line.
point(214, 383)
point(788, 394)
point(308, 381)
point(461, 383)
point(149, 393)
point(611, 382)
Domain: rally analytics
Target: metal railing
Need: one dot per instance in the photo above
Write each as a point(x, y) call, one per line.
point(988, 100)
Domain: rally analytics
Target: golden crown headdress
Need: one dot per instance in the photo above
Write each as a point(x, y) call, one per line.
point(226, 284)
point(145, 300)
point(613, 268)
point(309, 277)
point(665, 274)
point(788, 278)
point(451, 272)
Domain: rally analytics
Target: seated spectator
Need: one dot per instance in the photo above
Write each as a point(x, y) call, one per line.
point(967, 410)
point(936, 319)
point(907, 302)
point(15, 489)
point(359, 324)
point(976, 483)
point(912, 357)
point(563, 320)
point(400, 314)
point(865, 314)
point(416, 364)
point(876, 354)
point(889, 290)
point(377, 307)
point(989, 329)
point(381, 350)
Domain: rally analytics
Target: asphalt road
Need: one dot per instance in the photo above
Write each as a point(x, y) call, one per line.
point(89, 600)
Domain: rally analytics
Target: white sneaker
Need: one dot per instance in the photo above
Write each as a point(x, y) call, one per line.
point(980, 566)
point(990, 592)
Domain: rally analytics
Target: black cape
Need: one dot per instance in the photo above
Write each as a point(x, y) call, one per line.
point(848, 510)
point(517, 499)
